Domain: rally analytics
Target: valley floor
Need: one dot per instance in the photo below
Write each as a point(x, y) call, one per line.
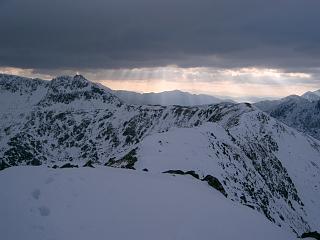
point(110, 203)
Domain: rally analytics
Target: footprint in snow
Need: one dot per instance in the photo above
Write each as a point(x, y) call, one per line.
point(44, 211)
point(36, 194)
point(49, 180)
point(38, 227)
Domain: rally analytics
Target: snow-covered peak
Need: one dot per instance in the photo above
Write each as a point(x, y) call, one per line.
point(69, 83)
point(77, 93)
point(19, 94)
point(292, 98)
point(72, 92)
point(19, 84)
point(312, 96)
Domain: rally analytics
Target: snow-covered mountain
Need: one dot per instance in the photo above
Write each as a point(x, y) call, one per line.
point(250, 157)
point(167, 98)
point(312, 96)
point(295, 111)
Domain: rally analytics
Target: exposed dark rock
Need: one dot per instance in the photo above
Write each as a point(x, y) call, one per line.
point(110, 162)
point(174, 172)
point(215, 183)
point(250, 206)
point(3, 165)
point(314, 235)
point(243, 198)
point(69, 165)
point(212, 181)
point(35, 162)
point(180, 172)
point(127, 161)
point(193, 174)
point(130, 159)
point(89, 164)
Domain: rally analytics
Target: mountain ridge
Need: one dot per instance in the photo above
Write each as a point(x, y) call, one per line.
point(245, 149)
point(174, 97)
point(312, 96)
point(295, 111)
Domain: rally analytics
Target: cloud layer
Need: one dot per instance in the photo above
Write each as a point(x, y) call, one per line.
point(97, 34)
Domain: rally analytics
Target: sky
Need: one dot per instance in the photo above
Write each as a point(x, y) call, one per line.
point(237, 48)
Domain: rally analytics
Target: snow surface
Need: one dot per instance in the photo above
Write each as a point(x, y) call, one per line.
point(110, 203)
point(195, 149)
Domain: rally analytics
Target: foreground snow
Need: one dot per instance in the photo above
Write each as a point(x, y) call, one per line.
point(110, 203)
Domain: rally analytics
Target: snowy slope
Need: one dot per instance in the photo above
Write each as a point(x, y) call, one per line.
point(109, 203)
point(295, 111)
point(285, 188)
point(312, 96)
point(258, 161)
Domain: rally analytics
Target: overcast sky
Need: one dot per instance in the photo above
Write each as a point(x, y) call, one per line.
point(251, 43)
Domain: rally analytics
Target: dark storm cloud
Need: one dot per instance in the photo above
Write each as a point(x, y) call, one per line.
point(55, 34)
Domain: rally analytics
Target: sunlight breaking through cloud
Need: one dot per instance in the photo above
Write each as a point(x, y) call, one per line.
point(238, 83)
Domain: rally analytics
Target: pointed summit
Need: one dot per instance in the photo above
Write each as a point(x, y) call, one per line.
point(67, 83)
point(75, 91)
point(79, 77)
point(312, 96)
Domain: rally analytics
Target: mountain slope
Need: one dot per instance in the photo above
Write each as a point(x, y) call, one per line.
point(270, 172)
point(166, 98)
point(249, 156)
point(312, 96)
point(106, 203)
point(295, 111)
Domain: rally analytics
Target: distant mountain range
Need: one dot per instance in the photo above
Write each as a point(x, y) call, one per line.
point(167, 98)
point(299, 112)
point(236, 149)
point(177, 97)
